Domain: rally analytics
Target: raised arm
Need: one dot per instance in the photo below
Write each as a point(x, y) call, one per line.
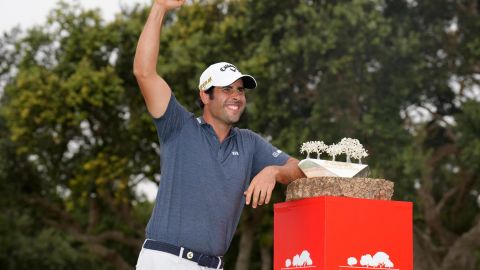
point(155, 90)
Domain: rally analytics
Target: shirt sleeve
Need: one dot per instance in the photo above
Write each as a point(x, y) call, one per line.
point(172, 121)
point(266, 154)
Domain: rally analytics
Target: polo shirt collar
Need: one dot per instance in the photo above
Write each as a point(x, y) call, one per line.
point(201, 121)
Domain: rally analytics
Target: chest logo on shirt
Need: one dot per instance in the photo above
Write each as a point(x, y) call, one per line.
point(235, 153)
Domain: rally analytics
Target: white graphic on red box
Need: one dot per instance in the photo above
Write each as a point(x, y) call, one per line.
point(380, 260)
point(302, 261)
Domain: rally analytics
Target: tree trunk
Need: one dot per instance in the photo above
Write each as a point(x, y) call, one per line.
point(424, 257)
point(461, 255)
point(245, 246)
point(266, 258)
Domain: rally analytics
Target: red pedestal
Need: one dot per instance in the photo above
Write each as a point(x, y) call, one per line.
point(340, 233)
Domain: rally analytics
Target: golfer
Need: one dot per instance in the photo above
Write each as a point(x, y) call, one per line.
point(209, 168)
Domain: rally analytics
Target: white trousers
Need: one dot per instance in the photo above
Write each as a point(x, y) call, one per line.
point(150, 259)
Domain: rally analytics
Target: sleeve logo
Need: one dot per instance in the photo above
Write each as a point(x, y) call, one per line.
point(276, 153)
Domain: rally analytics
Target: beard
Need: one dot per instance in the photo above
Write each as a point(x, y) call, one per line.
point(232, 116)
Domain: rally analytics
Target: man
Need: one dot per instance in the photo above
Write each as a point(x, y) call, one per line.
point(207, 164)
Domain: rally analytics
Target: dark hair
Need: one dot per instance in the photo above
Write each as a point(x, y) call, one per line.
point(209, 92)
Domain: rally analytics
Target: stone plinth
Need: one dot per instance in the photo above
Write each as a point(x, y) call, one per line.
point(365, 188)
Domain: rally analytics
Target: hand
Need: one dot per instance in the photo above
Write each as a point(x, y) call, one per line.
point(261, 187)
point(170, 4)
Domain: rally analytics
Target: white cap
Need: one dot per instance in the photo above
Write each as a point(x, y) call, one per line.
point(223, 74)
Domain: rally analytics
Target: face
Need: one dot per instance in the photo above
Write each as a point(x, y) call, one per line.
point(228, 103)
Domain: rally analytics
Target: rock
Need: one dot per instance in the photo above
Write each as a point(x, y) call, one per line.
point(365, 188)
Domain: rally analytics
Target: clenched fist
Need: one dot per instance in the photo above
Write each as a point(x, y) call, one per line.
point(170, 4)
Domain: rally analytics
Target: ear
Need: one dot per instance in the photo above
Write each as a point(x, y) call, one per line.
point(204, 97)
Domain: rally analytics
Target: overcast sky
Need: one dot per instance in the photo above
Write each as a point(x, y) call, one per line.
point(32, 12)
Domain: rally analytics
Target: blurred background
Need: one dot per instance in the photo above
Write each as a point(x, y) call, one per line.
point(79, 164)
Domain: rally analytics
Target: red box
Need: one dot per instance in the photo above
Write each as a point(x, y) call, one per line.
point(341, 233)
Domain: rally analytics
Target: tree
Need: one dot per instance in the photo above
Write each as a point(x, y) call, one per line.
point(75, 144)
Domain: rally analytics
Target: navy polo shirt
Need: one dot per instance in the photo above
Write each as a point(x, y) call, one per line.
point(200, 197)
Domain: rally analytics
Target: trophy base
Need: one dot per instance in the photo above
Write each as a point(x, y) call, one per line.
point(364, 188)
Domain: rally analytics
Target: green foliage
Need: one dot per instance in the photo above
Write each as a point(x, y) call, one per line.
point(73, 145)
point(469, 133)
point(23, 247)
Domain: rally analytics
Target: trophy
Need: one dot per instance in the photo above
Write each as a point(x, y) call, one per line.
point(317, 167)
point(349, 178)
point(338, 218)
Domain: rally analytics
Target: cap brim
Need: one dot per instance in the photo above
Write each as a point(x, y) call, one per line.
point(248, 82)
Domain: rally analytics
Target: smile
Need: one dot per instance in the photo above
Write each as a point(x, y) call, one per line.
point(233, 107)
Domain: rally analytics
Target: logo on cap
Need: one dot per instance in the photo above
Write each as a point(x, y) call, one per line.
point(202, 86)
point(232, 67)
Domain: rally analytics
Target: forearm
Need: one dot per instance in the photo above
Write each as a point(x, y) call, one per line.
point(260, 189)
point(288, 172)
point(148, 46)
